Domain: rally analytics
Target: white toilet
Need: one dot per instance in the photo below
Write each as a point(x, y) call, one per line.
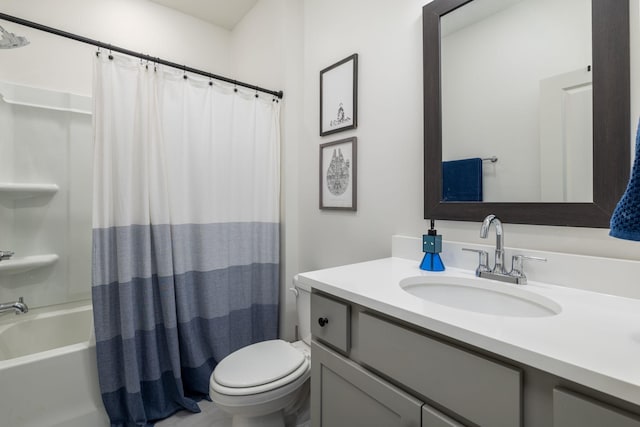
point(257, 384)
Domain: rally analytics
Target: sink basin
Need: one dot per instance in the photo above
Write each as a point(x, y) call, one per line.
point(481, 296)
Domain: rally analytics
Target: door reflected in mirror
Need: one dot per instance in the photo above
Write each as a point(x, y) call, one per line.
point(516, 85)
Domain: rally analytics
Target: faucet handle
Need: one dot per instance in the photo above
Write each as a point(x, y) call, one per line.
point(517, 265)
point(483, 260)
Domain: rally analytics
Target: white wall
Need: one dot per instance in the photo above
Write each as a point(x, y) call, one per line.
point(138, 25)
point(267, 51)
point(388, 37)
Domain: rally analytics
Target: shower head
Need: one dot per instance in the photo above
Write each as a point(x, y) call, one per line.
point(10, 40)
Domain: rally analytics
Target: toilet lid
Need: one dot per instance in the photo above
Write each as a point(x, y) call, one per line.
point(258, 364)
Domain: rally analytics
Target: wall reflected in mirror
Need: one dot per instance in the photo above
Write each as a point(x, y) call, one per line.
point(517, 85)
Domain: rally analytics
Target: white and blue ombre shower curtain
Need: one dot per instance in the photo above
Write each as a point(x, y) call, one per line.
point(185, 233)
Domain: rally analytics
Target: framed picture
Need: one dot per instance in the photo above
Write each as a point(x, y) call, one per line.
point(339, 96)
point(338, 173)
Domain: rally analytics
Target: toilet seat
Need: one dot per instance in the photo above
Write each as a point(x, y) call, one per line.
point(239, 374)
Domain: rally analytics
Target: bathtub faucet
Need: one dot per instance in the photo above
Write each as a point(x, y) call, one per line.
point(5, 255)
point(18, 307)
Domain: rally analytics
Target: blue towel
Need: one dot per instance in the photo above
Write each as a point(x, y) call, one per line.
point(462, 180)
point(625, 221)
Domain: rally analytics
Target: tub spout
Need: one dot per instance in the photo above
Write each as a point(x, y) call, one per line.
point(5, 255)
point(18, 307)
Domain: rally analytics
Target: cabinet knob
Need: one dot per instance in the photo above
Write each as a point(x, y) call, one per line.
point(323, 321)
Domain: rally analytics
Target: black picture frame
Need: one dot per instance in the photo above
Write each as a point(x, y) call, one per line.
point(338, 179)
point(339, 96)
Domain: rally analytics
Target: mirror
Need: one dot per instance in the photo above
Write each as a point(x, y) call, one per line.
point(517, 74)
point(473, 85)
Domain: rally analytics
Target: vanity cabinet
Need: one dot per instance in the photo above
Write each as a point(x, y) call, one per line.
point(370, 369)
point(572, 410)
point(335, 332)
point(346, 394)
point(476, 388)
point(349, 390)
point(349, 395)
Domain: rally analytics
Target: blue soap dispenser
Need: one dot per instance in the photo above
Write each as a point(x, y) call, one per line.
point(432, 246)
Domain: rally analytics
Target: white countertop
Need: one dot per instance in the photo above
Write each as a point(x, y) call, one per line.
point(594, 340)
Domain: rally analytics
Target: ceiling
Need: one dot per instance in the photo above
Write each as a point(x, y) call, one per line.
point(223, 13)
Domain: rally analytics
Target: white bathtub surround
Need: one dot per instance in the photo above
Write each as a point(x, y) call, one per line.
point(45, 194)
point(17, 265)
point(48, 360)
point(594, 340)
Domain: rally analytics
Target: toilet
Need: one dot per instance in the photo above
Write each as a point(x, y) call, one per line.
point(259, 383)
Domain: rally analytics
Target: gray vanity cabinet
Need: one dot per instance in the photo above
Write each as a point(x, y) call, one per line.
point(573, 410)
point(478, 389)
point(372, 370)
point(433, 418)
point(330, 322)
point(346, 395)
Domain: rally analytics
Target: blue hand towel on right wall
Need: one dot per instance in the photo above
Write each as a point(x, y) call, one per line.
point(462, 180)
point(625, 221)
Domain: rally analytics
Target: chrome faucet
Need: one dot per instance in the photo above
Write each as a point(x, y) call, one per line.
point(18, 307)
point(498, 266)
point(499, 272)
point(5, 255)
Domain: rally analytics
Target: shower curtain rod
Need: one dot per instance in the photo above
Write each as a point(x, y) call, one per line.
point(100, 44)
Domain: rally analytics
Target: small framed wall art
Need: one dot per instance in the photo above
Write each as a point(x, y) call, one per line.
point(338, 175)
point(339, 96)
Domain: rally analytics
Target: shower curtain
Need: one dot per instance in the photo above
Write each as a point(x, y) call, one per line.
point(185, 233)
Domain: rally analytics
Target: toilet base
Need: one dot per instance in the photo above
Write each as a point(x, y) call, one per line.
point(275, 419)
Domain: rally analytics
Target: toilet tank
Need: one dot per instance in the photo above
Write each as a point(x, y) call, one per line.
point(303, 307)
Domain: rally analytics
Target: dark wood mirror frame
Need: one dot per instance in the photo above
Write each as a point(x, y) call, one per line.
point(611, 127)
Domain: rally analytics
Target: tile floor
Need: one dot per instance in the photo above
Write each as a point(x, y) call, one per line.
point(209, 417)
point(214, 417)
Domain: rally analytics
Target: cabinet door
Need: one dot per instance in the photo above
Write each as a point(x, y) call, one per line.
point(483, 391)
point(343, 394)
point(434, 418)
point(573, 410)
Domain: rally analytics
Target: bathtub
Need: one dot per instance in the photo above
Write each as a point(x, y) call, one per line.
point(48, 373)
